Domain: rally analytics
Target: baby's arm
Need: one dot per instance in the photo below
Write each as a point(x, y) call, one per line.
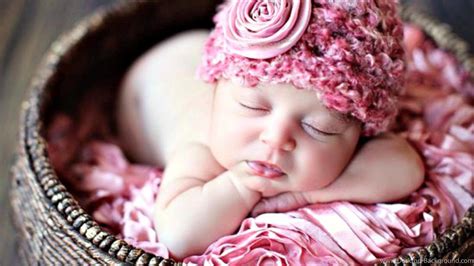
point(386, 168)
point(199, 201)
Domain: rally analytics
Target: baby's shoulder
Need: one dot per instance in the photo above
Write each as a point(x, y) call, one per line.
point(194, 152)
point(194, 160)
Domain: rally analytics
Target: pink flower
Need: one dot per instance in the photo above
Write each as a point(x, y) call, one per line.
point(262, 29)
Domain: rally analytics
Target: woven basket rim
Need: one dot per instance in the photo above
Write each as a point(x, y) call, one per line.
point(34, 145)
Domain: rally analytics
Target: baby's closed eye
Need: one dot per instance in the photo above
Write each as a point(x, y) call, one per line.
point(314, 131)
point(254, 107)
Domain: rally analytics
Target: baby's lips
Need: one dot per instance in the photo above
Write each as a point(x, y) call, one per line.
point(264, 169)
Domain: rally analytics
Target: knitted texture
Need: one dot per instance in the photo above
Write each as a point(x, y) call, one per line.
point(349, 52)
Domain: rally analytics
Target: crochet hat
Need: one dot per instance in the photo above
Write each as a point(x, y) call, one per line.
point(348, 51)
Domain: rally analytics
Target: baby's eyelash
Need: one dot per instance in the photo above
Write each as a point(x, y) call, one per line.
point(253, 108)
point(317, 131)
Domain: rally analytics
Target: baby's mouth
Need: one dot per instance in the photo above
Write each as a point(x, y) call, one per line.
point(264, 169)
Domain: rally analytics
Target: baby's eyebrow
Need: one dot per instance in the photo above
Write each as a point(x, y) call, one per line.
point(345, 118)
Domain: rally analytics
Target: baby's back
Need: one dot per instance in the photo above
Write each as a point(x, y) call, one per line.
point(162, 104)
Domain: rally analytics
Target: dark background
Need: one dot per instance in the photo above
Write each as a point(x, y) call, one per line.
point(27, 28)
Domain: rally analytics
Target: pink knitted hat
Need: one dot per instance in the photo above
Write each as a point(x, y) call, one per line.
point(348, 51)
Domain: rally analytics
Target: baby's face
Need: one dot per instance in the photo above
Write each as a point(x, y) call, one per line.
point(281, 133)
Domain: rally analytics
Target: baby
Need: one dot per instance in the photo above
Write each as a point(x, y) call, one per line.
point(291, 92)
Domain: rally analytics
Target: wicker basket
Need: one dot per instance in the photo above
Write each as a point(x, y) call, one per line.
point(52, 227)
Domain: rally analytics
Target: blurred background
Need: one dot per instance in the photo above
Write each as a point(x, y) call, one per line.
point(28, 27)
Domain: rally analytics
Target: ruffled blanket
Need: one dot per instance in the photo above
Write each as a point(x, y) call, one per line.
point(436, 117)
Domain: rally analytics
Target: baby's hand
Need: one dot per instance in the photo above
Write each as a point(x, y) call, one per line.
point(284, 202)
point(248, 183)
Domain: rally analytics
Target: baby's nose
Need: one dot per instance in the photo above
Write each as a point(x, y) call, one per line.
point(278, 136)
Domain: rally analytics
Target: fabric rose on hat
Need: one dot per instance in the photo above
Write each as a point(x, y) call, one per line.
point(261, 29)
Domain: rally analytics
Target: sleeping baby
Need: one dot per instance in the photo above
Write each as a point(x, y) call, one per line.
point(292, 107)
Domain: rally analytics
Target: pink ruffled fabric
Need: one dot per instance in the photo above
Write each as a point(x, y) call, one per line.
point(435, 117)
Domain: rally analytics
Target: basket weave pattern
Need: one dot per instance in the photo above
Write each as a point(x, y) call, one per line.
point(52, 226)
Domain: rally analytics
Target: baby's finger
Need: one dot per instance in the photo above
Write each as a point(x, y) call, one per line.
point(260, 207)
point(251, 181)
point(240, 168)
point(280, 203)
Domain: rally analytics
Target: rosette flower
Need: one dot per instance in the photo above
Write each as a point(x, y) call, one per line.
point(274, 239)
point(261, 29)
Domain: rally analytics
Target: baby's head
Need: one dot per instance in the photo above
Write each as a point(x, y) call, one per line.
point(299, 81)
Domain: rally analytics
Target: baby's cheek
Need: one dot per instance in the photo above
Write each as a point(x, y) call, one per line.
point(228, 139)
point(315, 172)
point(222, 148)
point(312, 182)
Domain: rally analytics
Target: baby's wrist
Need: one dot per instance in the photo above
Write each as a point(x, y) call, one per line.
point(250, 197)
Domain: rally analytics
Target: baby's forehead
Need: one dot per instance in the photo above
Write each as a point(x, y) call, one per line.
point(345, 118)
point(290, 93)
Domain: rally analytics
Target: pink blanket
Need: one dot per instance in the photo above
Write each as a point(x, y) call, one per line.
point(436, 117)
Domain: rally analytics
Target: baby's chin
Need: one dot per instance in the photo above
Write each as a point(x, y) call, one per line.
point(276, 189)
point(307, 186)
